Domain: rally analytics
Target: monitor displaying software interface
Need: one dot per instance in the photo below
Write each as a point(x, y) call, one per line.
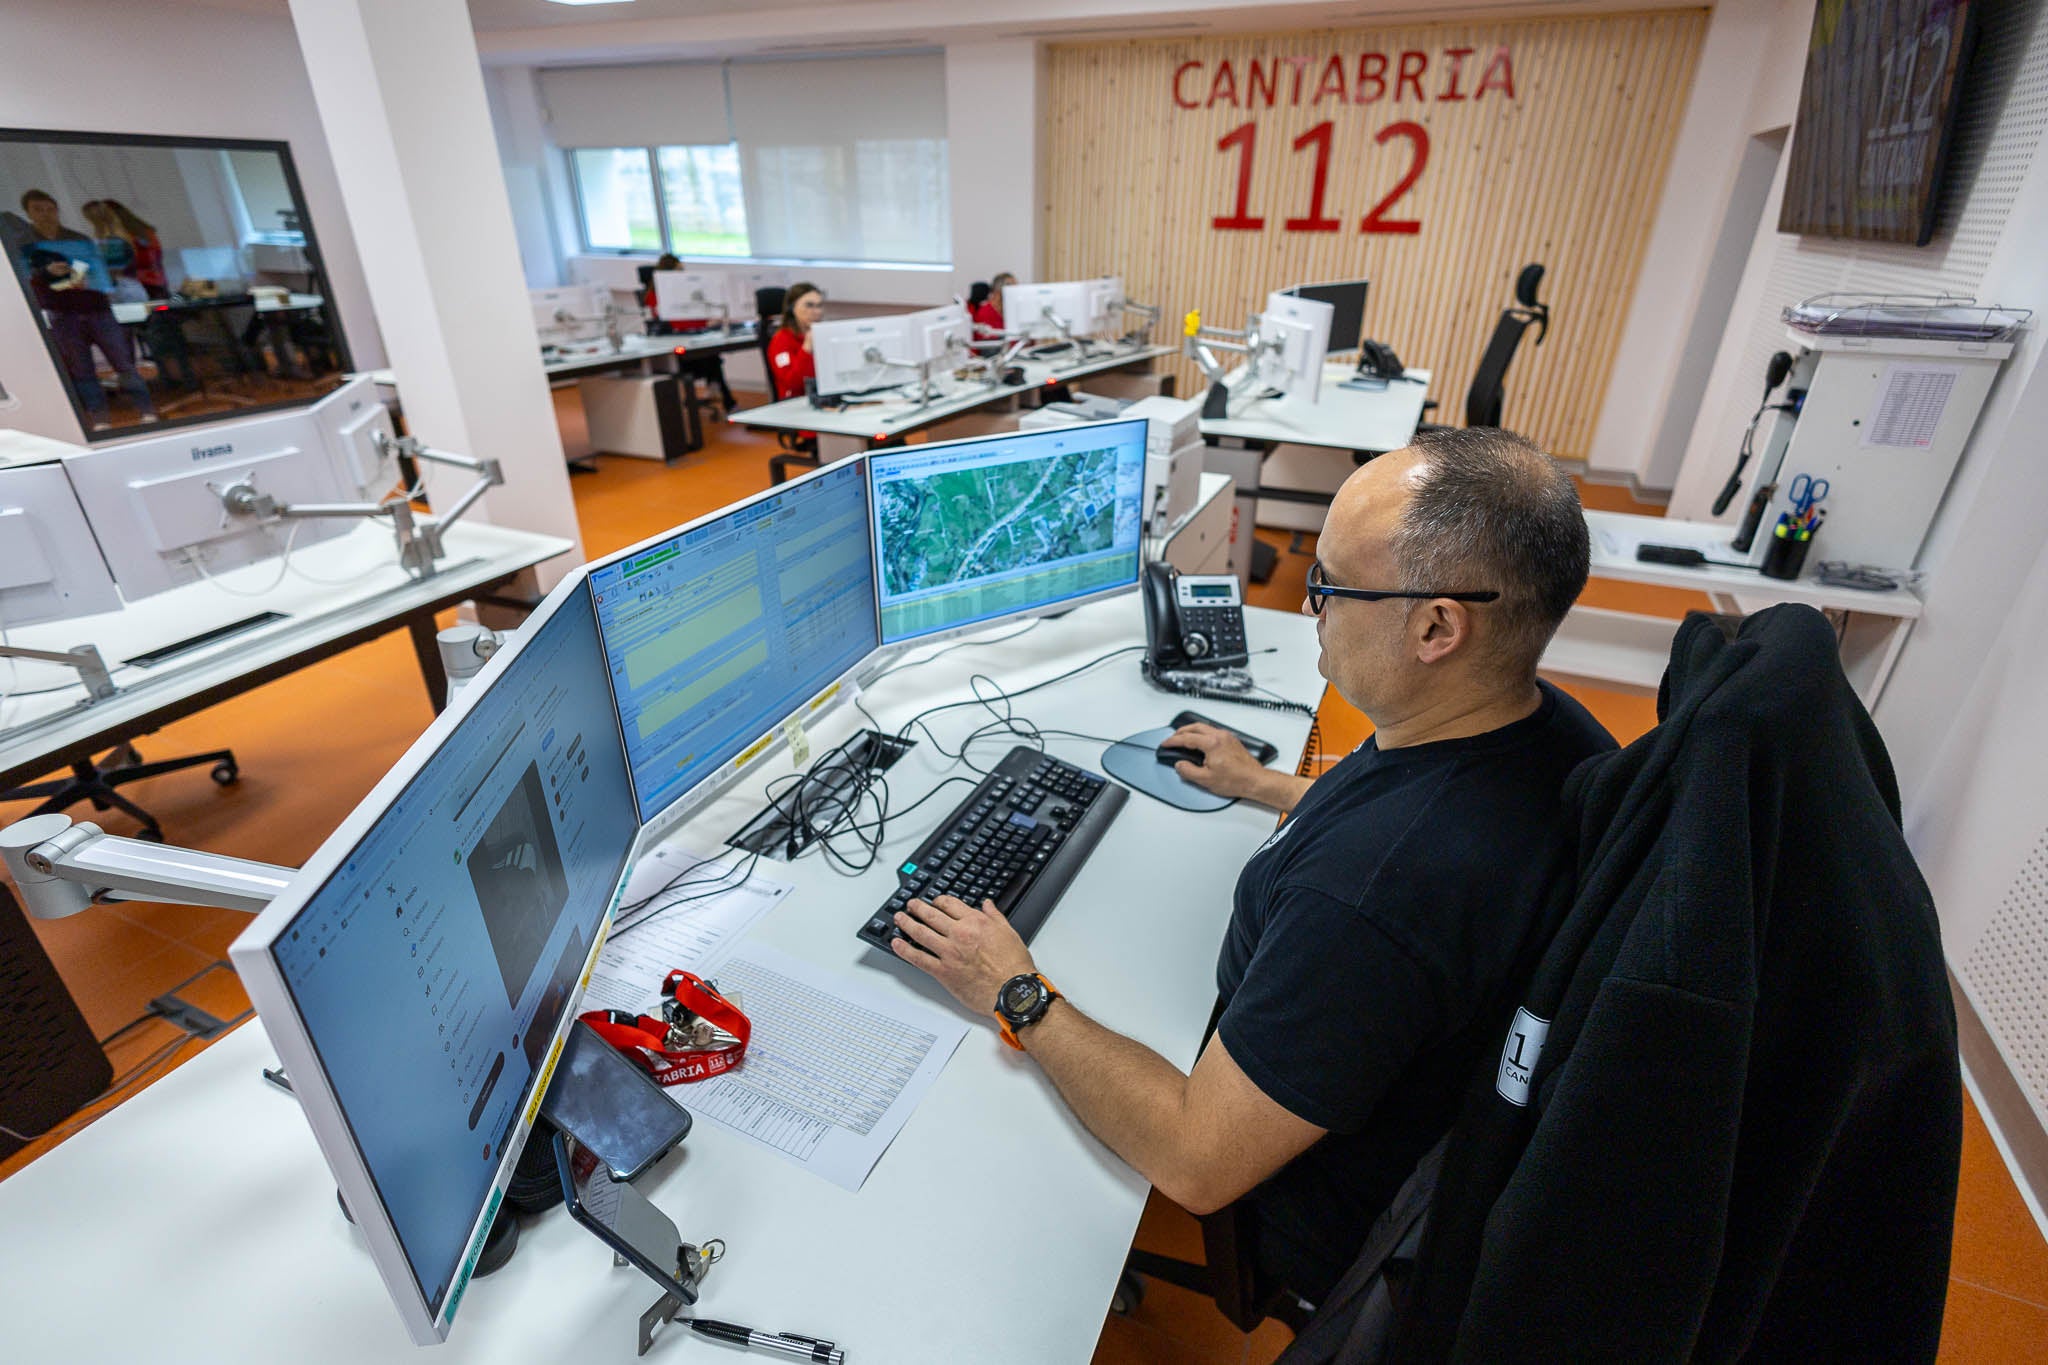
point(431, 969)
point(712, 636)
point(979, 529)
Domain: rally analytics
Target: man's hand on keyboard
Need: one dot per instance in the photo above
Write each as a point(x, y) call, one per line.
point(970, 952)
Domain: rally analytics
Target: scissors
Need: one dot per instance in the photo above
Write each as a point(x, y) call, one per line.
point(1806, 491)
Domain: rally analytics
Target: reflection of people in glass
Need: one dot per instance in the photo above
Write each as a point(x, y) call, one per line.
point(135, 255)
point(71, 283)
point(129, 245)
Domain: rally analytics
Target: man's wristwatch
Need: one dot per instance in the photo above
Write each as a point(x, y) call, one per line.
point(1022, 1002)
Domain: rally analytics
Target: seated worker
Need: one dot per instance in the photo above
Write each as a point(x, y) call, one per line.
point(789, 351)
point(987, 311)
point(1374, 951)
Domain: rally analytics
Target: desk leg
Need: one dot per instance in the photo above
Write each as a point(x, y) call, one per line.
point(426, 648)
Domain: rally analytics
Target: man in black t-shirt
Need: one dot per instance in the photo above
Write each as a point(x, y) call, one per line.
point(1372, 951)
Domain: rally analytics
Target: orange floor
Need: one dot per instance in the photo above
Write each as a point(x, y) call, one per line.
point(297, 784)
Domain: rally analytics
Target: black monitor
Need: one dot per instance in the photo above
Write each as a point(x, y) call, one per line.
point(1347, 324)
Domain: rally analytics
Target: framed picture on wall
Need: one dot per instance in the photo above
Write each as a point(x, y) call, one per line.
point(175, 280)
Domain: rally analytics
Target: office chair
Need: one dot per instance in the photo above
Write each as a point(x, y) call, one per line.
point(1484, 398)
point(1730, 1086)
point(96, 781)
point(50, 1064)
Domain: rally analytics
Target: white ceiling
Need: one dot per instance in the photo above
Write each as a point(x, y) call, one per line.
point(491, 16)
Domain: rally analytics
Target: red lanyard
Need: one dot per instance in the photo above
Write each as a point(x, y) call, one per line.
point(653, 1042)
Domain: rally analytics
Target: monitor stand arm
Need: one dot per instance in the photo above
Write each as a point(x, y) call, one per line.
point(419, 539)
point(92, 669)
point(1202, 343)
point(61, 867)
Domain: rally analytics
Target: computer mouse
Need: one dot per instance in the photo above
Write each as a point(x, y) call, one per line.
point(1171, 754)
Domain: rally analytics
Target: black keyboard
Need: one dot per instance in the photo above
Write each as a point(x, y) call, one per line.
point(1018, 839)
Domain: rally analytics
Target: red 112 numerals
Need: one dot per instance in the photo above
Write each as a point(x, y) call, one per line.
point(1244, 140)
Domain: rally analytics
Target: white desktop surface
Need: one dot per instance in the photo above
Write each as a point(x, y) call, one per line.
point(576, 356)
point(994, 1228)
point(1615, 536)
point(894, 415)
point(360, 583)
point(133, 312)
point(1341, 418)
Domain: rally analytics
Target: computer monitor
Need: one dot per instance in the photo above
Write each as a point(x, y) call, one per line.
point(1301, 327)
point(1105, 306)
point(220, 264)
point(855, 355)
point(1011, 525)
point(350, 419)
point(155, 504)
point(1347, 297)
point(689, 296)
point(50, 565)
point(568, 308)
point(741, 285)
point(716, 632)
point(418, 977)
point(941, 334)
point(1046, 311)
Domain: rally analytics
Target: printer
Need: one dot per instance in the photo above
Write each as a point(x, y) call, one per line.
point(1173, 447)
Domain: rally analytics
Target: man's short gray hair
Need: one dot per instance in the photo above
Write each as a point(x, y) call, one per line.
point(1489, 510)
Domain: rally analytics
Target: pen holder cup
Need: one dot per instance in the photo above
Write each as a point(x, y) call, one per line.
point(1784, 557)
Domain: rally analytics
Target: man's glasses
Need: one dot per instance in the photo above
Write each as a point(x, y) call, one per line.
point(1320, 591)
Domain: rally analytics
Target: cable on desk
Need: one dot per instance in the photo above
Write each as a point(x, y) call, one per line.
point(198, 561)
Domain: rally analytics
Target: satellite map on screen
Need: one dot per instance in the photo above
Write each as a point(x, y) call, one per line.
point(965, 524)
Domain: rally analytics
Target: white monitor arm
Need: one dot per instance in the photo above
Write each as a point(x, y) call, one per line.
point(61, 868)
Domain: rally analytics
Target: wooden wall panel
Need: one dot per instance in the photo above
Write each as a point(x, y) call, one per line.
point(1565, 169)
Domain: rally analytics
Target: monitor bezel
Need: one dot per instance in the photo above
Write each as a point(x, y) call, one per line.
point(277, 1010)
point(896, 648)
point(758, 748)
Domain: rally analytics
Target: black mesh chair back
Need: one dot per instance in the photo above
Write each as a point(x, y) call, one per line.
point(768, 309)
point(1484, 400)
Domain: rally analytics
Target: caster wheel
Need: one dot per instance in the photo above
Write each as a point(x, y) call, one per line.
point(226, 774)
point(1130, 1292)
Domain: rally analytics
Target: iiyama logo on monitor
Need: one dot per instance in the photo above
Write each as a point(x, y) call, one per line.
point(209, 452)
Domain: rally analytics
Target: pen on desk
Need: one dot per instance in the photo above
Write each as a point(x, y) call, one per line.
point(783, 1343)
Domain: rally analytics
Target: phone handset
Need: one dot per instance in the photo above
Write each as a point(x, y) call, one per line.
point(1193, 621)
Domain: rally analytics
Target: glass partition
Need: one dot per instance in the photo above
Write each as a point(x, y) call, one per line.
point(175, 280)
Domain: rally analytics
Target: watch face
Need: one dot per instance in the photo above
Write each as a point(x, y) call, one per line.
point(1020, 994)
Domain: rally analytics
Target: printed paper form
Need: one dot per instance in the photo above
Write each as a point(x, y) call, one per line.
point(675, 932)
point(834, 1069)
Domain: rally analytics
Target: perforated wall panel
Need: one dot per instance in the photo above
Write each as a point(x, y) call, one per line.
point(2007, 973)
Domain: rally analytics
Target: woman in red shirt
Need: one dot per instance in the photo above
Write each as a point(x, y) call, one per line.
point(789, 351)
point(988, 316)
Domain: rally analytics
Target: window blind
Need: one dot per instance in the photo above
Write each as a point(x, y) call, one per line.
point(668, 104)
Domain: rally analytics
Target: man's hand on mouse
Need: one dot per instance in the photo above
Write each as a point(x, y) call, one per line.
point(1227, 768)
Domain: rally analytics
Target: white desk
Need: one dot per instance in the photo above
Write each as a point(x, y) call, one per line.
point(364, 594)
point(1612, 648)
point(574, 359)
point(130, 313)
point(848, 431)
point(205, 1200)
point(1260, 429)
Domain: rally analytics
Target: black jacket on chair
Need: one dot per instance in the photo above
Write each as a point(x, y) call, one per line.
point(1742, 1129)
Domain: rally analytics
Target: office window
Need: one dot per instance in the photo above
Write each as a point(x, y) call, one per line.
point(707, 210)
point(615, 192)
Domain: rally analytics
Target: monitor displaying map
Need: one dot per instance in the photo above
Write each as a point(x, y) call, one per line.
point(972, 531)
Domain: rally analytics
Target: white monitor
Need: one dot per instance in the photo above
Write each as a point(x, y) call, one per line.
point(689, 296)
point(1105, 306)
point(156, 506)
point(351, 418)
point(859, 354)
point(941, 334)
point(221, 264)
point(1301, 327)
point(741, 284)
point(1047, 311)
point(50, 565)
point(567, 309)
point(420, 973)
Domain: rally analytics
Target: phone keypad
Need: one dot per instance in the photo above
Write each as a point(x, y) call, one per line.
point(1224, 627)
